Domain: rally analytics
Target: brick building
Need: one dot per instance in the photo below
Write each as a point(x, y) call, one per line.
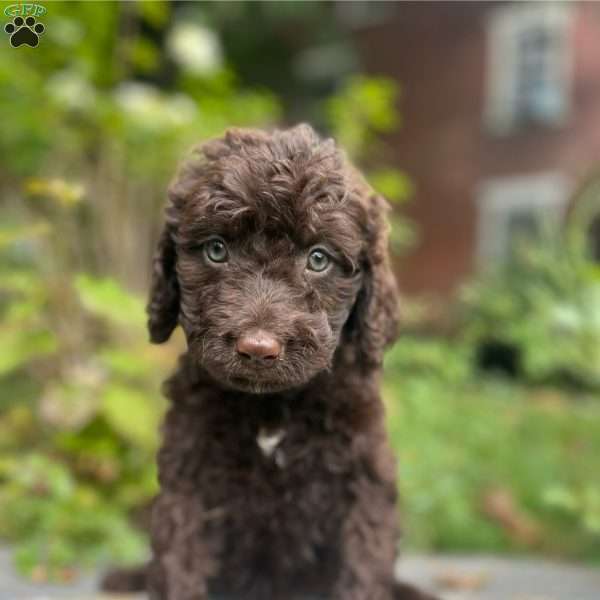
point(501, 113)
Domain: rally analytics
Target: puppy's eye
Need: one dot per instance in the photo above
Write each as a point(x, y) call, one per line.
point(318, 260)
point(216, 250)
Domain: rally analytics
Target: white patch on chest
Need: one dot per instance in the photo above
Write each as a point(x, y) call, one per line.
point(269, 440)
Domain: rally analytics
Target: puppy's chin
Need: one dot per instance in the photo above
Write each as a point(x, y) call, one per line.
point(259, 386)
point(262, 381)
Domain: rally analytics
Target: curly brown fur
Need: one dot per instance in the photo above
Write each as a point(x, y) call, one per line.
point(318, 515)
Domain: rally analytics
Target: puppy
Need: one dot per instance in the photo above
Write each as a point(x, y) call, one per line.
point(277, 479)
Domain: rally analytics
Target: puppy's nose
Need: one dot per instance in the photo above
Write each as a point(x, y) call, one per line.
point(258, 345)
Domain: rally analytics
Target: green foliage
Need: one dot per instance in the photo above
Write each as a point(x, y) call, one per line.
point(107, 299)
point(77, 428)
point(434, 358)
point(79, 109)
point(546, 303)
point(363, 109)
point(464, 439)
point(507, 464)
point(581, 501)
point(60, 521)
point(393, 184)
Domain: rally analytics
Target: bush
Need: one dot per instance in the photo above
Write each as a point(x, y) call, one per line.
point(544, 303)
point(486, 464)
point(80, 408)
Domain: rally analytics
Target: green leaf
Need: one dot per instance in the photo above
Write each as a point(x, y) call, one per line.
point(144, 54)
point(561, 497)
point(21, 347)
point(591, 522)
point(133, 414)
point(155, 12)
point(130, 363)
point(107, 299)
point(393, 184)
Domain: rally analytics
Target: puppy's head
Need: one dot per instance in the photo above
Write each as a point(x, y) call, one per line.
point(273, 255)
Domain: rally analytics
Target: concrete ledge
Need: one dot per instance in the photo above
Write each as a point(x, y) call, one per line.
point(451, 577)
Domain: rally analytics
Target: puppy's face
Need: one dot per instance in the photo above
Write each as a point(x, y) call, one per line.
point(273, 251)
point(266, 284)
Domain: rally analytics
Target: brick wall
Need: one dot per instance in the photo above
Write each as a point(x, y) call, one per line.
point(437, 52)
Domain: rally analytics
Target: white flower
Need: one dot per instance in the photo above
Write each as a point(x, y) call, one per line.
point(180, 110)
point(65, 31)
point(137, 98)
point(195, 49)
point(71, 90)
point(148, 107)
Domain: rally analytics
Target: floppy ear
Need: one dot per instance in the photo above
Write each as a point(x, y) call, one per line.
point(374, 320)
point(163, 305)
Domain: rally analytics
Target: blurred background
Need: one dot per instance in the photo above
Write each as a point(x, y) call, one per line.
point(480, 122)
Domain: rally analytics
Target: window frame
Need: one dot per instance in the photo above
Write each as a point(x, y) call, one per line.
point(500, 198)
point(506, 27)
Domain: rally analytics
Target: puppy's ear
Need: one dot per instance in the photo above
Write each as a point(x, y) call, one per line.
point(374, 319)
point(163, 305)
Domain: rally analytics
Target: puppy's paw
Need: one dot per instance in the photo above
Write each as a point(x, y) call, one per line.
point(124, 581)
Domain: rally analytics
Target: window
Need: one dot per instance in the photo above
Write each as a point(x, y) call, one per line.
point(511, 208)
point(529, 65)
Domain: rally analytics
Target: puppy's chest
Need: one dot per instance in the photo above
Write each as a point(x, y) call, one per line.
point(282, 449)
point(274, 461)
point(290, 482)
point(269, 440)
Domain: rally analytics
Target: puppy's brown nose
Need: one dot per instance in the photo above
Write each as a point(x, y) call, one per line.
point(258, 345)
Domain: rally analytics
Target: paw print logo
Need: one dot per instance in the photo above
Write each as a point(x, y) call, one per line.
point(24, 31)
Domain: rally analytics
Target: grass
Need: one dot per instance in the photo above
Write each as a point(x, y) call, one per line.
point(489, 465)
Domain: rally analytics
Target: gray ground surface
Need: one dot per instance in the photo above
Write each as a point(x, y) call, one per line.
point(491, 578)
point(451, 577)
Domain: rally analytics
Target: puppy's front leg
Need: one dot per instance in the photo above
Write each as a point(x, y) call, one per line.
point(182, 561)
point(369, 544)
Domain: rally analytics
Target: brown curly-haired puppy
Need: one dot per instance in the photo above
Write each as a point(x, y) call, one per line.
point(277, 481)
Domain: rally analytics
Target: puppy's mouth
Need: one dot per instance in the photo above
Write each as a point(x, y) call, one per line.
point(256, 385)
point(279, 376)
point(263, 379)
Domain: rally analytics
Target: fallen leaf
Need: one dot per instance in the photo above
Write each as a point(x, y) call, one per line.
point(459, 580)
point(500, 505)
